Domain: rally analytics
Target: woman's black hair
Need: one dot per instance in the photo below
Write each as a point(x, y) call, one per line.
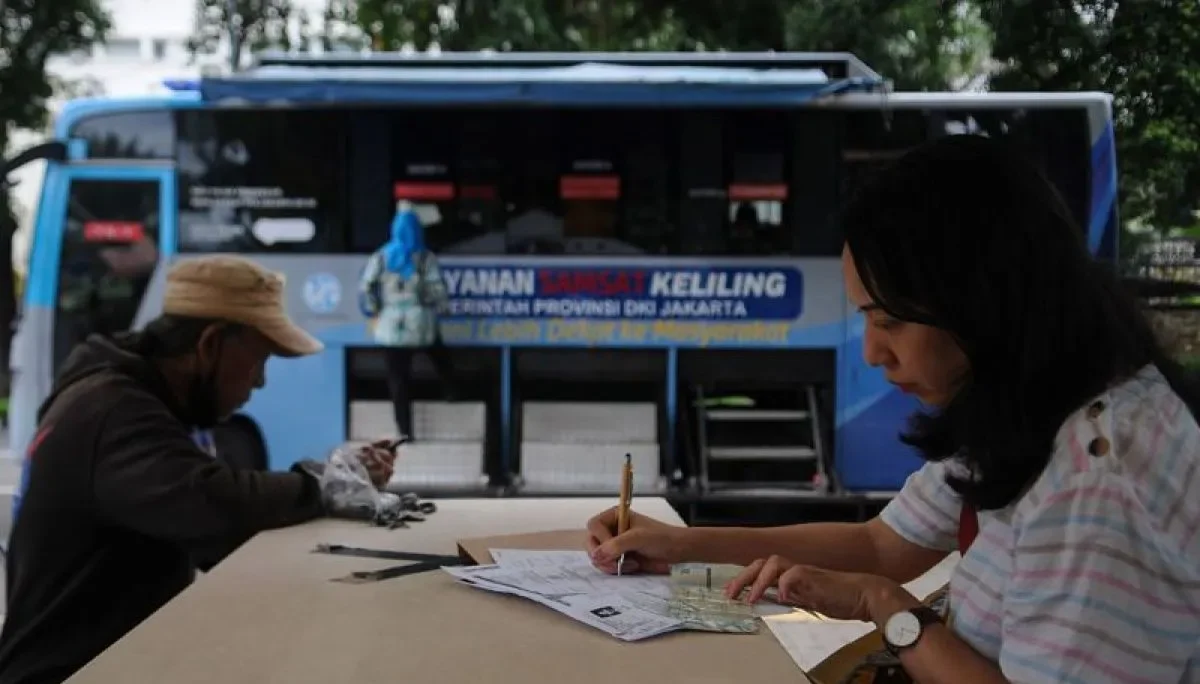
point(966, 235)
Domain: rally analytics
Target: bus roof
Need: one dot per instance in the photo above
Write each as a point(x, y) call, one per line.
point(588, 83)
point(980, 100)
point(834, 64)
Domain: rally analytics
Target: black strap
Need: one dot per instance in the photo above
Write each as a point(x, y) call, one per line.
point(364, 576)
point(342, 550)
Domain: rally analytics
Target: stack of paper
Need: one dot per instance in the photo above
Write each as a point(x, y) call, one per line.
point(630, 608)
point(810, 639)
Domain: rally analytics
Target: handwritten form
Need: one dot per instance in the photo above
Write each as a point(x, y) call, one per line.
point(809, 639)
point(630, 608)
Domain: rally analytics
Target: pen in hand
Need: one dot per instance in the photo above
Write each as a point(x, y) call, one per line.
point(624, 503)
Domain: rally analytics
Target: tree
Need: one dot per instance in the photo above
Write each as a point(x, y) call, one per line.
point(31, 31)
point(1147, 54)
point(511, 25)
point(918, 43)
point(247, 25)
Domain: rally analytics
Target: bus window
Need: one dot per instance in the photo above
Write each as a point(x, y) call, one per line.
point(536, 181)
point(262, 181)
point(423, 171)
point(812, 228)
point(871, 140)
point(534, 223)
point(703, 197)
point(1057, 139)
point(757, 144)
point(735, 176)
point(447, 167)
point(479, 215)
point(647, 182)
point(589, 183)
point(109, 251)
point(128, 135)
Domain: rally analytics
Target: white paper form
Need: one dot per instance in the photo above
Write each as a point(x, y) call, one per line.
point(561, 573)
point(810, 639)
point(574, 570)
point(615, 614)
point(630, 607)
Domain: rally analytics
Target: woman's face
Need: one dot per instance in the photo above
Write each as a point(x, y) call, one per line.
point(920, 360)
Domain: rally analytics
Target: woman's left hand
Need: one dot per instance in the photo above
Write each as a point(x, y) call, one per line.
point(838, 595)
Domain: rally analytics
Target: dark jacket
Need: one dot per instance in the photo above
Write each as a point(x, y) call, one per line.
point(121, 510)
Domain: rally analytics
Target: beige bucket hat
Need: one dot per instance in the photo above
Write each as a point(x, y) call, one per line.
point(237, 290)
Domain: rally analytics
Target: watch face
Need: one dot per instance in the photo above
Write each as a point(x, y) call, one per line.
point(902, 629)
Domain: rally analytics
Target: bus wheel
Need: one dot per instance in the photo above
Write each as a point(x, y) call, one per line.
point(239, 445)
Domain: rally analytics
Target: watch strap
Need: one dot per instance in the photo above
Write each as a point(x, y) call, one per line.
point(925, 616)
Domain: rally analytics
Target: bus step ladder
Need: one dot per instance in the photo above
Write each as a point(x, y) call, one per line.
point(579, 447)
point(751, 455)
point(448, 451)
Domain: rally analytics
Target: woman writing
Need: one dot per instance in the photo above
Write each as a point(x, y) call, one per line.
point(402, 291)
point(1061, 446)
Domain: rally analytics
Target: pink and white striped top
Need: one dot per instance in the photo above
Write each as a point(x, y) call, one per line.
point(1093, 575)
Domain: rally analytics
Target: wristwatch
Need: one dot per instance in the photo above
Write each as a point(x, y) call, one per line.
point(902, 630)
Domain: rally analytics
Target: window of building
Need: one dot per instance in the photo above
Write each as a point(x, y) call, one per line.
point(123, 48)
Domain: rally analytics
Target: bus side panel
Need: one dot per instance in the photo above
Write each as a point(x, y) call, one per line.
point(302, 409)
point(30, 365)
point(871, 413)
point(1103, 227)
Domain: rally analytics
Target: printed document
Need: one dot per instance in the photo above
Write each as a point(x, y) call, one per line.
point(630, 608)
point(619, 606)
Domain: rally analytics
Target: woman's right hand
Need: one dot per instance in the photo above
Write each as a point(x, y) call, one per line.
point(758, 577)
point(649, 545)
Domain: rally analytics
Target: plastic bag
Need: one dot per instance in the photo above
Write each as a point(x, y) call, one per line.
point(348, 492)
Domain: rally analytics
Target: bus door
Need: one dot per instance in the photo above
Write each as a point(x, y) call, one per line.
point(101, 232)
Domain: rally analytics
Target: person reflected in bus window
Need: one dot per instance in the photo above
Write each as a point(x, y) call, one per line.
point(1061, 447)
point(120, 507)
point(745, 230)
point(403, 295)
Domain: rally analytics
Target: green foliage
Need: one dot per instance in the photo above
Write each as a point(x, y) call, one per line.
point(256, 25)
point(1147, 54)
point(31, 31)
point(919, 43)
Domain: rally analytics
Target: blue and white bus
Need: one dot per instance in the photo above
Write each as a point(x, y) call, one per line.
point(642, 252)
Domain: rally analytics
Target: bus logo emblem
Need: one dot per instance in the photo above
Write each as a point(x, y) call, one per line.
point(322, 293)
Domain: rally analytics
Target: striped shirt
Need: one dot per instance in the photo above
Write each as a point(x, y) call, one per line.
point(1093, 575)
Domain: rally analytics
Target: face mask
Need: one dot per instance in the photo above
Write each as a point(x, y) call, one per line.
point(203, 398)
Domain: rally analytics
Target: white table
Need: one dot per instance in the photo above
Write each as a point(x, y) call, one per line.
point(269, 615)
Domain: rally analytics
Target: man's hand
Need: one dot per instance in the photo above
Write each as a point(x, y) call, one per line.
point(379, 459)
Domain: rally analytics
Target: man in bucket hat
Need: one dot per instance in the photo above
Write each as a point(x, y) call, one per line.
point(122, 506)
